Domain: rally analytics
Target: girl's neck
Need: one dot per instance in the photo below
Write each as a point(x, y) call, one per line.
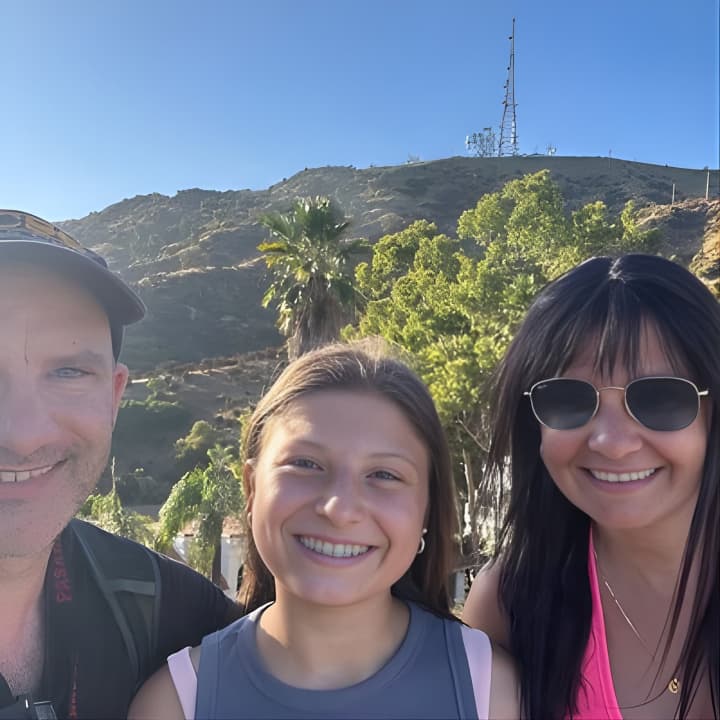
point(323, 647)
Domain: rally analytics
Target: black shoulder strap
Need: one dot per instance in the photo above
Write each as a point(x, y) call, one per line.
point(128, 576)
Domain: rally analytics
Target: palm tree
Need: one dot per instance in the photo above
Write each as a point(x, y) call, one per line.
point(312, 285)
point(208, 495)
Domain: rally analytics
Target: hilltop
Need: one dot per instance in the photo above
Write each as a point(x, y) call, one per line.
point(194, 261)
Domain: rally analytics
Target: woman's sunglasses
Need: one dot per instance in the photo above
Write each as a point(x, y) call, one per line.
point(658, 403)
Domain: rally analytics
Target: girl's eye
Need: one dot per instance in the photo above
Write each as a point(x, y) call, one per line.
point(305, 463)
point(384, 475)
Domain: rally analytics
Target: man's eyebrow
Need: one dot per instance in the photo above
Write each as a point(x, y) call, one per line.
point(84, 358)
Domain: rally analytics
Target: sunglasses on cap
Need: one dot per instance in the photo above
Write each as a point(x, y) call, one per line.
point(32, 225)
point(658, 403)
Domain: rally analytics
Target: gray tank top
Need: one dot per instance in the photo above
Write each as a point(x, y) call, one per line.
point(428, 677)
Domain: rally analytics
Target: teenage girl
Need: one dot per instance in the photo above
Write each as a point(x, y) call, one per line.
point(351, 508)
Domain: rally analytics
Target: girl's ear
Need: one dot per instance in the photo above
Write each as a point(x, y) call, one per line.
point(249, 483)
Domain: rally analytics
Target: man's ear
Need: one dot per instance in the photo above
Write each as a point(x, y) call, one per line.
point(119, 381)
point(249, 483)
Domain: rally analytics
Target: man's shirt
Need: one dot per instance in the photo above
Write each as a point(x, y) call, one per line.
point(87, 672)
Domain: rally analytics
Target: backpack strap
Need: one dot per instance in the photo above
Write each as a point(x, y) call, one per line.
point(128, 577)
point(479, 657)
point(184, 677)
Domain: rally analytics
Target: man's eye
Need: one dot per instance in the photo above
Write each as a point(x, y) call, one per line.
point(69, 372)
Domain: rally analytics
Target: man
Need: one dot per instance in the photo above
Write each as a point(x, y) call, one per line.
point(86, 616)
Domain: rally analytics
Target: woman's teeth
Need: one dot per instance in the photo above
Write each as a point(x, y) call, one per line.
point(621, 477)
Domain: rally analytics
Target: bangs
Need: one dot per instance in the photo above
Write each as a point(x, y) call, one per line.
point(614, 327)
point(604, 324)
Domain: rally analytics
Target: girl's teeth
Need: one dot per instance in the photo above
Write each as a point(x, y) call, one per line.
point(332, 549)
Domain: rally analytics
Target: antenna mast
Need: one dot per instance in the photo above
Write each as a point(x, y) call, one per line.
point(508, 144)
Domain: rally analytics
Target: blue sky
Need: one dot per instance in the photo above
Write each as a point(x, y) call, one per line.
point(107, 100)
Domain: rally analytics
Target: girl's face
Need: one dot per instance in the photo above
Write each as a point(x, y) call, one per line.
point(614, 469)
point(339, 496)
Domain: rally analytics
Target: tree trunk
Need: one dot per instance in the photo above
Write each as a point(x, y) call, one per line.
point(216, 573)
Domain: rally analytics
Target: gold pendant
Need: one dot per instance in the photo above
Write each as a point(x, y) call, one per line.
point(674, 686)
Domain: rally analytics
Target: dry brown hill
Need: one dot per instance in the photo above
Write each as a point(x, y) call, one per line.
point(193, 255)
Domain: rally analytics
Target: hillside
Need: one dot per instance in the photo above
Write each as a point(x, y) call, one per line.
point(193, 257)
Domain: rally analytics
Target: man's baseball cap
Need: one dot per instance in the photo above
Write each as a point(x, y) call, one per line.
point(28, 238)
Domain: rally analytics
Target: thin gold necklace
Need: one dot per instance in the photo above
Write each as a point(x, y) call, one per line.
point(674, 685)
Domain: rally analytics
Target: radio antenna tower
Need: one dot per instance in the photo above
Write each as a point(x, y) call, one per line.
point(508, 144)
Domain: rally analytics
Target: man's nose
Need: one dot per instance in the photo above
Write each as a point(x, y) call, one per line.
point(25, 423)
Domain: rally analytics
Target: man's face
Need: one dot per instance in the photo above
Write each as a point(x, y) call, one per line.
point(59, 395)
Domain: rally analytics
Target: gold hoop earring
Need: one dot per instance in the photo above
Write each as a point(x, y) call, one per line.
point(421, 549)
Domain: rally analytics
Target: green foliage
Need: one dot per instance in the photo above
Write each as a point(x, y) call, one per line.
point(138, 488)
point(456, 312)
point(308, 259)
point(207, 495)
point(486, 221)
point(161, 387)
point(192, 449)
point(108, 512)
point(392, 257)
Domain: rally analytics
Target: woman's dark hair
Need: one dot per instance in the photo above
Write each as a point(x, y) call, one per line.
point(543, 545)
point(367, 367)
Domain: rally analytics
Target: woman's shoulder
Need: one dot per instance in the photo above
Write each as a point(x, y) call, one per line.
point(482, 607)
point(504, 686)
point(493, 675)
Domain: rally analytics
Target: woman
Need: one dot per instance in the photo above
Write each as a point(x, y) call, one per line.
point(606, 416)
point(351, 509)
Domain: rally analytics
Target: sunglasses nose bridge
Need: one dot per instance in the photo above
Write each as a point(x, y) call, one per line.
point(615, 431)
point(623, 390)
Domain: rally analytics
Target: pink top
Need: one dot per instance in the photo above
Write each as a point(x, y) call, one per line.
point(596, 698)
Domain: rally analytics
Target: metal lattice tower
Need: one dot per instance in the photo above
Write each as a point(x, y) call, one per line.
point(508, 144)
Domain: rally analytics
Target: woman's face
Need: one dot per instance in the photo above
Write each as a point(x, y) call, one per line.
point(338, 494)
point(614, 469)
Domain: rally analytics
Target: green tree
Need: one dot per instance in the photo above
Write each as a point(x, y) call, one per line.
point(392, 257)
point(455, 311)
point(312, 284)
point(108, 512)
point(192, 449)
point(207, 495)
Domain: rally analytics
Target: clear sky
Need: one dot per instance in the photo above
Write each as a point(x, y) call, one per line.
point(104, 100)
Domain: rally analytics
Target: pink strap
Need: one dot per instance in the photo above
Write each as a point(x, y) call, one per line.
point(479, 657)
point(596, 698)
point(184, 679)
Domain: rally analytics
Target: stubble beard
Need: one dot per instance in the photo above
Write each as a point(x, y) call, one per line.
point(29, 528)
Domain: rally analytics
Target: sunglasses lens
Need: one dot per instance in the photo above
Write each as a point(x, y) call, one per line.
point(563, 403)
point(664, 404)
